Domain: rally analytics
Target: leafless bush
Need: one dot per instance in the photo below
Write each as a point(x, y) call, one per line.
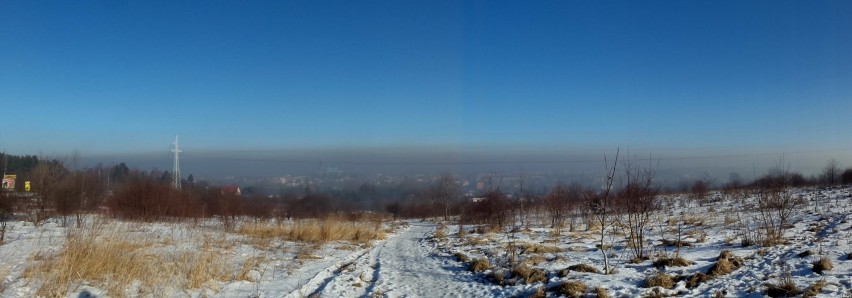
point(638, 200)
point(493, 210)
point(146, 199)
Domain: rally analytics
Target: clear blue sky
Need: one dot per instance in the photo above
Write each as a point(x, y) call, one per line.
point(126, 76)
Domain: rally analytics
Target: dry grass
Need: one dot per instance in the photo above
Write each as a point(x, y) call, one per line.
point(697, 279)
point(660, 280)
point(461, 257)
point(572, 289)
point(534, 260)
point(316, 231)
point(535, 248)
point(579, 268)
point(249, 265)
point(114, 261)
point(529, 274)
point(726, 263)
point(479, 265)
point(814, 289)
point(824, 264)
point(672, 262)
point(786, 287)
point(601, 292)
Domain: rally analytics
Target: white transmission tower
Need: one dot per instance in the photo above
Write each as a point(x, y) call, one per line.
point(176, 170)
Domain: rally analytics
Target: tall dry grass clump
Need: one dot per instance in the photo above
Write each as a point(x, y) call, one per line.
point(317, 231)
point(824, 264)
point(112, 260)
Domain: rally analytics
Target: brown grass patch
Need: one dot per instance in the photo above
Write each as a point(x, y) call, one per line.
point(461, 257)
point(573, 289)
point(697, 279)
point(534, 260)
point(113, 261)
point(726, 263)
point(316, 231)
point(578, 268)
point(824, 264)
point(601, 293)
point(529, 274)
point(535, 248)
point(660, 280)
point(786, 287)
point(814, 289)
point(248, 266)
point(672, 262)
point(479, 265)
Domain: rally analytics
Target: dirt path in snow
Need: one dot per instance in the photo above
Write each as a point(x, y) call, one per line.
point(405, 265)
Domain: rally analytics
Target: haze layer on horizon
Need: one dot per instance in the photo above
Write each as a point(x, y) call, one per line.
point(421, 85)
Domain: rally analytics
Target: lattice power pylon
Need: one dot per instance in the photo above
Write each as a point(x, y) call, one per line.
point(176, 171)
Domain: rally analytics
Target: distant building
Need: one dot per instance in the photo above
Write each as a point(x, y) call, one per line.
point(231, 189)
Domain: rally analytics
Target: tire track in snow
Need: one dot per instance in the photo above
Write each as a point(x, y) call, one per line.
point(402, 266)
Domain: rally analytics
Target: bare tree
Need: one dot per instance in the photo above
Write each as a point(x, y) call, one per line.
point(446, 192)
point(638, 200)
point(831, 172)
point(775, 203)
point(558, 204)
point(46, 176)
point(602, 208)
point(7, 209)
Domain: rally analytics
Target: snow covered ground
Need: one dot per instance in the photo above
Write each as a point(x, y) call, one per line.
point(416, 261)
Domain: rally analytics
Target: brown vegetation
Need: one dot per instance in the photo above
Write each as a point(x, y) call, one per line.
point(479, 265)
point(822, 265)
point(578, 268)
point(572, 289)
point(529, 275)
point(660, 280)
point(726, 263)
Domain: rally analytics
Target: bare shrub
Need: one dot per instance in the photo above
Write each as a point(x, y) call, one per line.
point(775, 203)
point(601, 292)
point(573, 289)
point(823, 264)
point(494, 210)
point(637, 200)
point(461, 257)
point(603, 211)
point(559, 203)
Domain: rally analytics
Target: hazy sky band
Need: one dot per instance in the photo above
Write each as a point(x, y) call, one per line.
point(106, 77)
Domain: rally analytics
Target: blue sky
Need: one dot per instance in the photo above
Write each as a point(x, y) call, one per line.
point(104, 77)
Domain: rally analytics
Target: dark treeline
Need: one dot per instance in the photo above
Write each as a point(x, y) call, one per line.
point(148, 195)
